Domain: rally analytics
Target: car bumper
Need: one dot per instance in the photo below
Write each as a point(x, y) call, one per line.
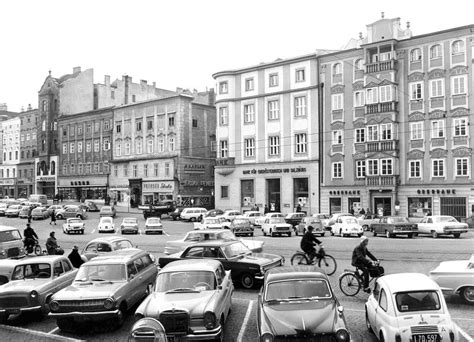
point(85, 316)
point(13, 311)
point(129, 230)
point(200, 335)
point(153, 230)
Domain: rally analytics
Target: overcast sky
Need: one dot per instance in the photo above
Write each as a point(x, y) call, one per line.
point(182, 43)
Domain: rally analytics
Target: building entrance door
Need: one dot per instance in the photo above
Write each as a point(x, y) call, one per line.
point(273, 194)
point(383, 206)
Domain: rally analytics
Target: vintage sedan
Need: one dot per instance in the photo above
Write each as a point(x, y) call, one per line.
point(74, 225)
point(439, 225)
point(25, 211)
point(211, 223)
point(230, 214)
point(106, 225)
point(11, 243)
point(105, 245)
point(276, 226)
point(294, 218)
point(247, 268)
point(456, 277)
point(192, 299)
point(297, 303)
point(392, 226)
point(333, 218)
point(191, 237)
point(40, 213)
point(366, 220)
point(252, 216)
point(129, 225)
point(241, 226)
point(13, 210)
point(32, 284)
point(71, 210)
point(259, 221)
point(107, 210)
point(6, 269)
point(153, 225)
point(105, 288)
point(310, 221)
point(408, 307)
point(346, 226)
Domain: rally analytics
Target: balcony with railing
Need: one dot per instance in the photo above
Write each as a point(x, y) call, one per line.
point(390, 65)
point(381, 181)
point(225, 166)
point(383, 107)
point(383, 145)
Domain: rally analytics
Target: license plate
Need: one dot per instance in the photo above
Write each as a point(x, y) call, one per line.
point(172, 338)
point(426, 338)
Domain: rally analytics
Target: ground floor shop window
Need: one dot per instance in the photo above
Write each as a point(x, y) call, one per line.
point(247, 193)
point(420, 206)
point(453, 206)
point(300, 193)
point(335, 205)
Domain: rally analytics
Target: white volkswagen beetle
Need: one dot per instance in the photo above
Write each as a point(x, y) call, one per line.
point(106, 225)
point(409, 307)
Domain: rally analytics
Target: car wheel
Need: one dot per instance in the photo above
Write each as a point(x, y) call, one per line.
point(59, 217)
point(410, 236)
point(456, 235)
point(367, 323)
point(374, 232)
point(434, 234)
point(322, 234)
point(289, 234)
point(82, 232)
point(222, 337)
point(264, 233)
point(122, 311)
point(388, 235)
point(296, 232)
point(365, 227)
point(382, 338)
point(332, 232)
point(271, 233)
point(4, 318)
point(247, 281)
point(467, 293)
point(192, 219)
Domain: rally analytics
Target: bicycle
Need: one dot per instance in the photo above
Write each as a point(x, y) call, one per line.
point(323, 260)
point(351, 282)
point(33, 248)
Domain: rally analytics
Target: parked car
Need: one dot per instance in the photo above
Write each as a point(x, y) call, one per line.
point(40, 213)
point(55, 207)
point(158, 209)
point(153, 225)
point(310, 221)
point(408, 307)
point(104, 245)
point(13, 210)
point(247, 268)
point(298, 303)
point(105, 288)
point(276, 226)
point(11, 243)
point(71, 211)
point(193, 236)
point(469, 220)
point(33, 282)
point(176, 214)
point(294, 218)
point(366, 220)
point(261, 220)
point(215, 222)
point(74, 225)
point(456, 277)
point(91, 206)
point(200, 287)
point(332, 219)
point(129, 225)
point(241, 226)
point(3, 208)
point(230, 214)
point(346, 226)
point(106, 225)
point(108, 210)
point(192, 214)
point(25, 211)
point(213, 213)
point(392, 226)
point(252, 216)
point(439, 225)
point(6, 269)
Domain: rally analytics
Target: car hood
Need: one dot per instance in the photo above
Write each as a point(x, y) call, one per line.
point(195, 303)
point(453, 266)
point(260, 258)
point(26, 285)
point(75, 224)
point(96, 289)
point(311, 316)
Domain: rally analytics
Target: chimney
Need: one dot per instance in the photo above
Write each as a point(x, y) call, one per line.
point(76, 70)
point(126, 79)
point(212, 97)
point(107, 80)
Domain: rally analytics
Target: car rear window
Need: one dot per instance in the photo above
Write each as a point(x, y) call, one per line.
point(10, 235)
point(296, 289)
point(417, 301)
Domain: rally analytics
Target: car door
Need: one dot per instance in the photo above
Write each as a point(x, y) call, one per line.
point(424, 225)
point(133, 293)
point(372, 304)
point(381, 315)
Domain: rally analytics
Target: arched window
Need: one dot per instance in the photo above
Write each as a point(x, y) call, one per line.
point(436, 51)
point(44, 106)
point(415, 55)
point(457, 47)
point(359, 64)
point(337, 69)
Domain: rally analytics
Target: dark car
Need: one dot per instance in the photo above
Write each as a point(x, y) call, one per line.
point(176, 214)
point(469, 220)
point(213, 213)
point(297, 303)
point(247, 267)
point(241, 226)
point(158, 209)
point(391, 226)
point(89, 206)
point(310, 221)
point(294, 218)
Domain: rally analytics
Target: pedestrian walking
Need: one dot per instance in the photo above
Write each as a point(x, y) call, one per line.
point(53, 217)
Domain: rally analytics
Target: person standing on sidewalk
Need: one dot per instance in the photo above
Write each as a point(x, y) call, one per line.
point(53, 217)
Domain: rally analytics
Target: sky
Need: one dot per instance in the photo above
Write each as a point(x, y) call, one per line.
point(182, 43)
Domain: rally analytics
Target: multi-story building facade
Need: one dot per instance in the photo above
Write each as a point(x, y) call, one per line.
point(164, 149)
point(267, 136)
point(10, 156)
point(28, 146)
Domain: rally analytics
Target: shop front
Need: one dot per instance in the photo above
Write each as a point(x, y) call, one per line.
point(8, 187)
point(448, 201)
point(46, 185)
point(196, 193)
point(158, 191)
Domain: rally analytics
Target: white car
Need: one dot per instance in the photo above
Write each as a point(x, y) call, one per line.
point(276, 226)
point(74, 225)
point(192, 214)
point(153, 225)
point(106, 225)
point(409, 307)
point(252, 216)
point(441, 225)
point(211, 223)
point(456, 277)
point(229, 214)
point(346, 226)
point(261, 220)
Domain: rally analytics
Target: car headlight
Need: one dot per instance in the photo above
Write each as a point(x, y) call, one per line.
point(342, 335)
point(2, 252)
point(54, 305)
point(33, 294)
point(210, 320)
point(109, 303)
point(267, 337)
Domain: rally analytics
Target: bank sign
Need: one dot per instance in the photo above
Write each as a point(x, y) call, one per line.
point(158, 187)
point(264, 171)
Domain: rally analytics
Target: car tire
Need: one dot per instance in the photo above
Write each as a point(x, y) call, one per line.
point(457, 235)
point(264, 233)
point(388, 235)
point(322, 234)
point(374, 232)
point(434, 234)
point(410, 236)
point(82, 232)
point(271, 233)
point(359, 235)
point(247, 281)
point(467, 294)
point(222, 323)
point(365, 227)
point(289, 234)
point(121, 313)
point(4, 318)
point(59, 217)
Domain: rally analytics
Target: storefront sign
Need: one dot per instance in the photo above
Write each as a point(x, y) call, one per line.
point(45, 178)
point(264, 171)
point(197, 183)
point(345, 192)
point(119, 186)
point(435, 191)
point(158, 186)
point(7, 181)
point(194, 168)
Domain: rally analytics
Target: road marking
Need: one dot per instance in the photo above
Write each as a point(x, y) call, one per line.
point(39, 333)
point(463, 333)
point(54, 331)
point(165, 233)
point(244, 324)
point(93, 231)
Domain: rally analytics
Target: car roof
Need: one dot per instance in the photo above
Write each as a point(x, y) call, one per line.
point(41, 259)
point(214, 243)
point(291, 272)
point(192, 265)
point(120, 256)
point(402, 282)
point(208, 231)
point(108, 239)
point(7, 228)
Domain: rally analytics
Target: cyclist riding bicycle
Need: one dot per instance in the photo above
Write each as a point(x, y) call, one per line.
point(30, 237)
point(359, 260)
point(308, 241)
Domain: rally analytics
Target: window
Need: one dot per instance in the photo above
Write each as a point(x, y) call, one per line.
point(138, 126)
point(224, 149)
point(300, 143)
point(249, 84)
point(167, 169)
point(149, 146)
point(436, 88)
point(125, 170)
point(386, 167)
point(273, 110)
point(457, 47)
point(249, 147)
point(337, 69)
point(458, 84)
point(171, 143)
point(371, 97)
point(72, 169)
point(96, 145)
point(88, 128)
point(416, 130)
point(171, 121)
point(118, 149)
point(213, 146)
point(155, 169)
point(80, 169)
point(415, 55)
point(416, 91)
point(96, 167)
point(359, 64)
point(64, 149)
point(223, 87)
point(373, 133)
point(71, 148)
point(135, 171)
point(274, 146)
point(249, 113)
point(134, 98)
point(139, 147)
point(79, 129)
point(438, 167)
point(460, 127)
point(97, 126)
point(64, 169)
point(88, 146)
point(149, 124)
point(273, 80)
point(106, 144)
point(79, 147)
point(223, 116)
point(161, 145)
point(383, 300)
point(372, 167)
point(300, 106)
point(127, 148)
point(224, 192)
point(436, 51)
point(360, 168)
point(300, 75)
point(385, 93)
point(360, 135)
point(337, 137)
point(195, 123)
point(116, 170)
point(118, 128)
point(462, 166)
point(359, 99)
point(437, 129)
point(337, 170)
point(337, 101)
point(106, 126)
point(386, 131)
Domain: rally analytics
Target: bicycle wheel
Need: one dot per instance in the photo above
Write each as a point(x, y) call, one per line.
point(328, 264)
point(299, 259)
point(349, 284)
point(37, 250)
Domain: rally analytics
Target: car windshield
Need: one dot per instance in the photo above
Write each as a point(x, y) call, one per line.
point(106, 220)
point(154, 220)
point(349, 220)
point(240, 221)
point(30, 271)
point(277, 220)
point(417, 301)
point(190, 280)
point(236, 249)
point(130, 220)
point(295, 289)
point(76, 220)
point(312, 220)
point(122, 244)
point(444, 219)
point(107, 272)
point(227, 235)
point(10, 235)
point(397, 220)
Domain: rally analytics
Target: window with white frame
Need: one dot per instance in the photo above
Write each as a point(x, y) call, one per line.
point(359, 64)
point(273, 110)
point(359, 98)
point(96, 168)
point(249, 113)
point(139, 147)
point(371, 96)
point(213, 146)
point(300, 143)
point(299, 75)
point(386, 167)
point(71, 148)
point(171, 143)
point(386, 131)
point(437, 167)
point(156, 169)
point(337, 170)
point(372, 133)
point(372, 167)
point(437, 87)
point(457, 47)
point(64, 149)
point(385, 93)
point(72, 169)
point(462, 166)
point(436, 51)
point(167, 169)
point(96, 145)
point(360, 168)
point(223, 116)
point(135, 171)
point(115, 170)
point(458, 85)
point(125, 170)
point(415, 55)
point(223, 87)
point(145, 170)
point(118, 149)
point(337, 69)
point(224, 148)
point(460, 127)
point(106, 144)
point(416, 130)
point(337, 101)
point(149, 146)
point(337, 137)
point(127, 148)
point(249, 147)
point(274, 145)
point(79, 147)
point(88, 146)
point(161, 144)
point(273, 80)
point(300, 106)
point(414, 168)
point(80, 169)
point(416, 91)
point(249, 84)
point(359, 135)
point(437, 129)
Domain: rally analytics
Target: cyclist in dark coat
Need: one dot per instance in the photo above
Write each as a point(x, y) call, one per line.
point(308, 241)
point(30, 236)
point(359, 259)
